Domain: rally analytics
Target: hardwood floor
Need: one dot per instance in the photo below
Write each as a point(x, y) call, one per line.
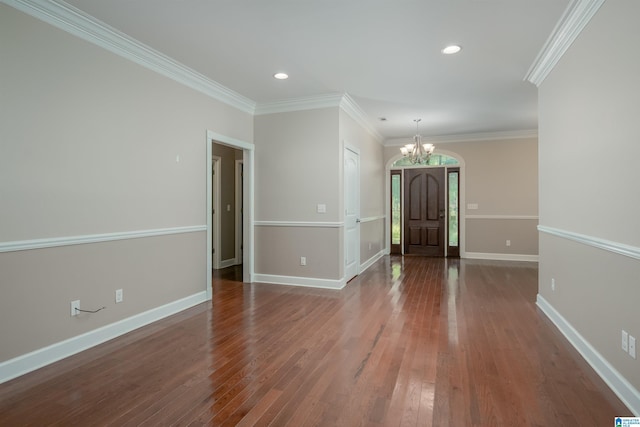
point(411, 342)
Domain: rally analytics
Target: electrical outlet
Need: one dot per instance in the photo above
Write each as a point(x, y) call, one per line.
point(625, 341)
point(303, 260)
point(75, 306)
point(119, 295)
point(508, 243)
point(632, 346)
point(553, 285)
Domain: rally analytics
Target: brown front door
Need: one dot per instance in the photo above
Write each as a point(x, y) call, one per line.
point(424, 211)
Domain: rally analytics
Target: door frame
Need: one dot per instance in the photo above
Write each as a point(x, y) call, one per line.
point(248, 155)
point(215, 210)
point(462, 194)
point(239, 206)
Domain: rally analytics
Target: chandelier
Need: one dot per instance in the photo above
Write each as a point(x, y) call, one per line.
point(417, 153)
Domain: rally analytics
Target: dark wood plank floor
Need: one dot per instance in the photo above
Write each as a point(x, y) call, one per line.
point(411, 342)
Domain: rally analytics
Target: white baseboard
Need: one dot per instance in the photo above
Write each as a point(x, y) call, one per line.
point(500, 257)
point(312, 282)
point(228, 263)
point(618, 384)
point(309, 282)
point(368, 263)
point(37, 359)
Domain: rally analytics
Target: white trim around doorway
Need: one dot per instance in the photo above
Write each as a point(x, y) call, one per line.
point(216, 162)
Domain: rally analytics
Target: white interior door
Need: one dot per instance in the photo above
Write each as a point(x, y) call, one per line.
point(351, 213)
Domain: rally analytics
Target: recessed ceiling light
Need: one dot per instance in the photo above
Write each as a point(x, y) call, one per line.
point(281, 76)
point(450, 50)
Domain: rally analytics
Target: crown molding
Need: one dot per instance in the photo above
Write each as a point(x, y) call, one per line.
point(298, 104)
point(469, 137)
point(343, 101)
point(80, 24)
point(350, 107)
point(575, 18)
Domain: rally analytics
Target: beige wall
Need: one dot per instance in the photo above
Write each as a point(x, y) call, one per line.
point(88, 145)
point(297, 165)
point(588, 183)
point(501, 177)
point(278, 252)
point(38, 285)
point(297, 158)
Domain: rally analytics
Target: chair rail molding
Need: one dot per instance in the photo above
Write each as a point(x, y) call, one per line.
point(311, 224)
point(23, 245)
point(596, 242)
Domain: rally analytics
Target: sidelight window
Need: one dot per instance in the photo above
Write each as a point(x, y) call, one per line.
point(396, 211)
point(453, 216)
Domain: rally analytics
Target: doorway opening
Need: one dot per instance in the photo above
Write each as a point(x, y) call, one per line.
point(245, 152)
point(228, 205)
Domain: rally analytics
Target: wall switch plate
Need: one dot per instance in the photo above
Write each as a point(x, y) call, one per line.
point(75, 305)
point(321, 208)
point(553, 284)
point(632, 346)
point(472, 206)
point(625, 341)
point(119, 295)
point(303, 260)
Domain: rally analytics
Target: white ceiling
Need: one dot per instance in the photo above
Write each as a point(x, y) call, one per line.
point(384, 53)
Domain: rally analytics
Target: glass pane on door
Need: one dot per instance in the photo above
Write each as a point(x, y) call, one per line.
point(396, 212)
point(453, 208)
